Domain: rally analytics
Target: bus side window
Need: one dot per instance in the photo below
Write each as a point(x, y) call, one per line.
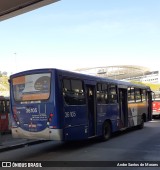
point(132, 99)
point(105, 91)
point(66, 90)
point(137, 95)
point(98, 93)
point(144, 95)
point(7, 107)
point(112, 93)
point(129, 94)
point(1, 107)
point(66, 85)
point(73, 92)
point(102, 93)
point(77, 88)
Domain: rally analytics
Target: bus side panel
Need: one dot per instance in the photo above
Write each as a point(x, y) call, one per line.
point(135, 111)
point(75, 122)
point(107, 112)
point(76, 133)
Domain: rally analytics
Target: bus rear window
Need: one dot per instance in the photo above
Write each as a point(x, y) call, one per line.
point(32, 87)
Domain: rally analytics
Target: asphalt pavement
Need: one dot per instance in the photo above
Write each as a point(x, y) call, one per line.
point(7, 142)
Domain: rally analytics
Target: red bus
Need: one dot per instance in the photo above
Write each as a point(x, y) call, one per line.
point(4, 114)
point(156, 108)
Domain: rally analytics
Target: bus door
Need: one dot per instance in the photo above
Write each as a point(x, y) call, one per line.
point(123, 107)
point(91, 109)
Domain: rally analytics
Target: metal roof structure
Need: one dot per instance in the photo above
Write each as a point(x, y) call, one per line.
point(118, 72)
point(11, 8)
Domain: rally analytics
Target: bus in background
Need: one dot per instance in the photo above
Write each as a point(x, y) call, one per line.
point(156, 105)
point(55, 104)
point(4, 114)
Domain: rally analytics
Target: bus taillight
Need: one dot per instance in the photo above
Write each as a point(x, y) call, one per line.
point(50, 118)
point(51, 115)
point(16, 118)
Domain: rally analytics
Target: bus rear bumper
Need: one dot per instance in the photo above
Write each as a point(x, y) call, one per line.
point(46, 134)
point(155, 114)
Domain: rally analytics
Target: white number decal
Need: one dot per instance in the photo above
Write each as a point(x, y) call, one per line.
point(70, 114)
point(31, 110)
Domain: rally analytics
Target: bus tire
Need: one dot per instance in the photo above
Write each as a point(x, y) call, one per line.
point(106, 131)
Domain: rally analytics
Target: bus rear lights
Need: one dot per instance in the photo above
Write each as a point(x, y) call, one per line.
point(14, 110)
point(50, 117)
point(15, 117)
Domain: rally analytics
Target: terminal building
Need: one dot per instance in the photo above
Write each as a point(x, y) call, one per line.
point(127, 73)
point(124, 73)
point(149, 77)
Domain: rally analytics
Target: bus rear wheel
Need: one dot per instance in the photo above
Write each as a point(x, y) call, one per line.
point(106, 131)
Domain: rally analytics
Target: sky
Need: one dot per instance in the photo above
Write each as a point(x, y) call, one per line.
point(72, 34)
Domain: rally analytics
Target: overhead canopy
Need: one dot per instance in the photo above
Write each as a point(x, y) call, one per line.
point(11, 8)
point(119, 72)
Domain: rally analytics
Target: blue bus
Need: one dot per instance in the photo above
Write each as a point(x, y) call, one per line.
point(53, 104)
